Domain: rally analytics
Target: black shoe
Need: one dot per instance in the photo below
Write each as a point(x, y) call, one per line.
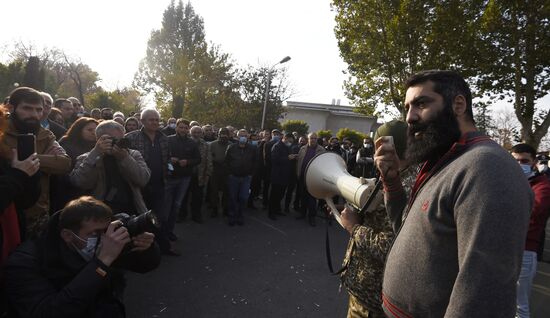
point(312, 221)
point(251, 206)
point(280, 213)
point(231, 223)
point(172, 237)
point(214, 213)
point(240, 223)
point(287, 210)
point(300, 217)
point(273, 217)
point(172, 252)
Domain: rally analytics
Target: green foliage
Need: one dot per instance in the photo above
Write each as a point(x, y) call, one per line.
point(514, 62)
point(50, 70)
point(190, 77)
point(299, 126)
point(384, 42)
point(324, 134)
point(501, 47)
point(176, 57)
point(355, 136)
point(9, 75)
point(125, 100)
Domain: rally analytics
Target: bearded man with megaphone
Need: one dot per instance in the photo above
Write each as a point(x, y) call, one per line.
point(371, 233)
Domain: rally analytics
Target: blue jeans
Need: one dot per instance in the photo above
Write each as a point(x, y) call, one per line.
point(175, 192)
point(525, 281)
point(238, 189)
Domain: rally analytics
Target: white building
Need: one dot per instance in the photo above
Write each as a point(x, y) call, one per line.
point(329, 117)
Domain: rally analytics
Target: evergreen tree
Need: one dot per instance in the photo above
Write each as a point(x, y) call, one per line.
point(175, 55)
point(34, 75)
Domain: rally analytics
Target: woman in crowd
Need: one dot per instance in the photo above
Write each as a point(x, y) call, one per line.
point(55, 115)
point(131, 124)
point(80, 138)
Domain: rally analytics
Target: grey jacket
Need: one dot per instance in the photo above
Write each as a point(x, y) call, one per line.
point(89, 174)
point(459, 250)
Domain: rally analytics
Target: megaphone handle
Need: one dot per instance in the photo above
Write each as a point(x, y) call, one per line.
point(334, 211)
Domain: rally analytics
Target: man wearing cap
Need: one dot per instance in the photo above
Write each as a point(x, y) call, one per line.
point(458, 250)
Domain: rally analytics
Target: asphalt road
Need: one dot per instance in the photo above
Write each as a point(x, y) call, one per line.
point(268, 269)
point(262, 269)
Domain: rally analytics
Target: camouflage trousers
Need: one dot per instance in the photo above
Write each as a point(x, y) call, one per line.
point(356, 309)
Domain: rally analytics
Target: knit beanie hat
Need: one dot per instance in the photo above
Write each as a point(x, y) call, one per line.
point(397, 129)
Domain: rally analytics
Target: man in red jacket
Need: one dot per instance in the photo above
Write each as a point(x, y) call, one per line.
point(526, 157)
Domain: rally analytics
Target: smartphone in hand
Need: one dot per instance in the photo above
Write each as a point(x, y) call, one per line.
point(26, 146)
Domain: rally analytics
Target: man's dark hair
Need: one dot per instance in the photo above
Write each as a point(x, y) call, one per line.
point(106, 109)
point(223, 130)
point(289, 135)
point(83, 209)
point(182, 120)
point(448, 84)
point(25, 95)
point(524, 148)
point(60, 101)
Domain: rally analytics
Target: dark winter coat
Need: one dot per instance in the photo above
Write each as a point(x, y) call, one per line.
point(46, 278)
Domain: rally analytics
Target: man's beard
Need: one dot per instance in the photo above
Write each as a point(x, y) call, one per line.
point(27, 126)
point(437, 137)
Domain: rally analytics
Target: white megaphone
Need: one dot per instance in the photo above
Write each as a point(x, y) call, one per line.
point(326, 177)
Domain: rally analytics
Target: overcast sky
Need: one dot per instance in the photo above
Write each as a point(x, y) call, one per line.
point(111, 36)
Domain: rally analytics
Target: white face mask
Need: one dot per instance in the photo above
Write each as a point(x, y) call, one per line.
point(89, 250)
point(542, 168)
point(367, 145)
point(173, 126)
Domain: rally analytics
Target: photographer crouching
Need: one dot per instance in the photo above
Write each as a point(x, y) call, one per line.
point(76, 267)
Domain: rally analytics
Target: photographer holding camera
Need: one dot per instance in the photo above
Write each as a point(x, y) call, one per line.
point(111, 172)
point(76, 267)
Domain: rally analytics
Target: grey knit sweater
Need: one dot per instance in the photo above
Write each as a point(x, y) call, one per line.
point(458, 253)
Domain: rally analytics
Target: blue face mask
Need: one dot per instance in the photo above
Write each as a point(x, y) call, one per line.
point(89, 250)
point(526, 169)
point(243, 140)
point(254, 142)
point(276, 138)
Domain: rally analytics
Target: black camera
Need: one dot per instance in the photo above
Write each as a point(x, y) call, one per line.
point(123, 143)
point(136, 225)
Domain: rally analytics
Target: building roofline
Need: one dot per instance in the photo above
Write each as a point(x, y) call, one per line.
point(333, 109)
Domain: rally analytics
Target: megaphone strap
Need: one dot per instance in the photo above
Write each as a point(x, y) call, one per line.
point(329, 258)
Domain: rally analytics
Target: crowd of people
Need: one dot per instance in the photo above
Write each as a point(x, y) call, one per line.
point(449, 239)
point(112, 163)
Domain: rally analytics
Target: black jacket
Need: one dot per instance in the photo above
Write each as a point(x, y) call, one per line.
point(46, 278)
point(241, 161)
point(184, 148)
point(58, 130)
point(168, 131)
point(280, 164)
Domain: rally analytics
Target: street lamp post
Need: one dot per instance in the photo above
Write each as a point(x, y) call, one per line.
point(267, 84)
